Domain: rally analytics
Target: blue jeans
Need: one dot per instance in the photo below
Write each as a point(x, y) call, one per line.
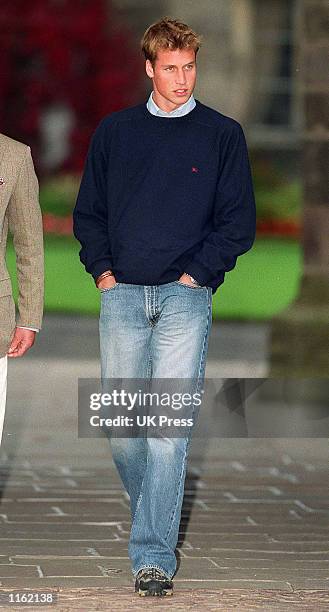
point(154, 331)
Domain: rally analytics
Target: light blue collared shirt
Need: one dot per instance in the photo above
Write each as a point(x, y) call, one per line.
point(183, 109)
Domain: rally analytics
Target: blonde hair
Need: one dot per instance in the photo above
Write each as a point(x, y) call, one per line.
point(168, 34)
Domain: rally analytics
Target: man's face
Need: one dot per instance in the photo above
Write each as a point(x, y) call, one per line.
point(173, 76)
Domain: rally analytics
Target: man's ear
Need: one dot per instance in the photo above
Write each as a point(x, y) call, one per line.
point(149, 69)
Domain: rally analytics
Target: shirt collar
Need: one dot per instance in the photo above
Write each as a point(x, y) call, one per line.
point(183, 109)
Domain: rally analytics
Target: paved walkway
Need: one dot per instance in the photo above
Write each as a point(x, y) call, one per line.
point(254, 532)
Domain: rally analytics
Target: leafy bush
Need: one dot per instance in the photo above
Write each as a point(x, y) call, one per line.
point(282, 202)
point(58, 195)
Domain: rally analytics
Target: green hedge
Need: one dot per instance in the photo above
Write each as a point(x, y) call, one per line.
point(264, 281)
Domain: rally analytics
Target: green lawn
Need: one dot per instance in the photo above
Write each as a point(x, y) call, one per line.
point(264, 281)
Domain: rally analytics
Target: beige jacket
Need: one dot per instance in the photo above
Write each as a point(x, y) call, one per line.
point(20, 211)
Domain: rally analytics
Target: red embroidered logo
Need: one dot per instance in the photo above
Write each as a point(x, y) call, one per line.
point(195, 169)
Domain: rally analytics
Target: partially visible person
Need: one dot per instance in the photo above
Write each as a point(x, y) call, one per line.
point(20, 211)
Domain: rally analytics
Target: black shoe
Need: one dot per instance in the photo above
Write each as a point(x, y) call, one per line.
point(151, 581)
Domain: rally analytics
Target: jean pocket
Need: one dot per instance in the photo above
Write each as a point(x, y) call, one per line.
point(107, 289)
point(193, 288)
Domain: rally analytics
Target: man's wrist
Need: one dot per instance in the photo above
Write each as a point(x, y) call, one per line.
point(103, 275)
point(193, 280)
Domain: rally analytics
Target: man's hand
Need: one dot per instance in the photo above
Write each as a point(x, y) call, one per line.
point(186, 280)
point(22, 341)
point(107, 282)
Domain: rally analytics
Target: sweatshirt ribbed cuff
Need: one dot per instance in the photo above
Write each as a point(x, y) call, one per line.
point(199, 272)
point(100, 267)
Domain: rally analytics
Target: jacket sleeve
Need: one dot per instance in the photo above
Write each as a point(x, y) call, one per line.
point(25, 224)
point(90, 215)
point(234, 220)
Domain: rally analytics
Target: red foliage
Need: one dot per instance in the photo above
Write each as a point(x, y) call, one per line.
point(287, 228)
point(61, 226)
point(66, 52)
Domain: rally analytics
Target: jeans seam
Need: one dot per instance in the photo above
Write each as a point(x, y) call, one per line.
point(138, 503)
point(149, 366)
point(205, 337)
point(171, 521)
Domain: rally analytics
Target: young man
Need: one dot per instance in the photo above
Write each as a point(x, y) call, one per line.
point(165, 207)
point(20, 211)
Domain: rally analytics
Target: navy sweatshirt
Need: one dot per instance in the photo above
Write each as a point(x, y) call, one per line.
point(159, 197)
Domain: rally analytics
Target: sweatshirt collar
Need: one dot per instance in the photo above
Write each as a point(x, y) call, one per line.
point(183, 109)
